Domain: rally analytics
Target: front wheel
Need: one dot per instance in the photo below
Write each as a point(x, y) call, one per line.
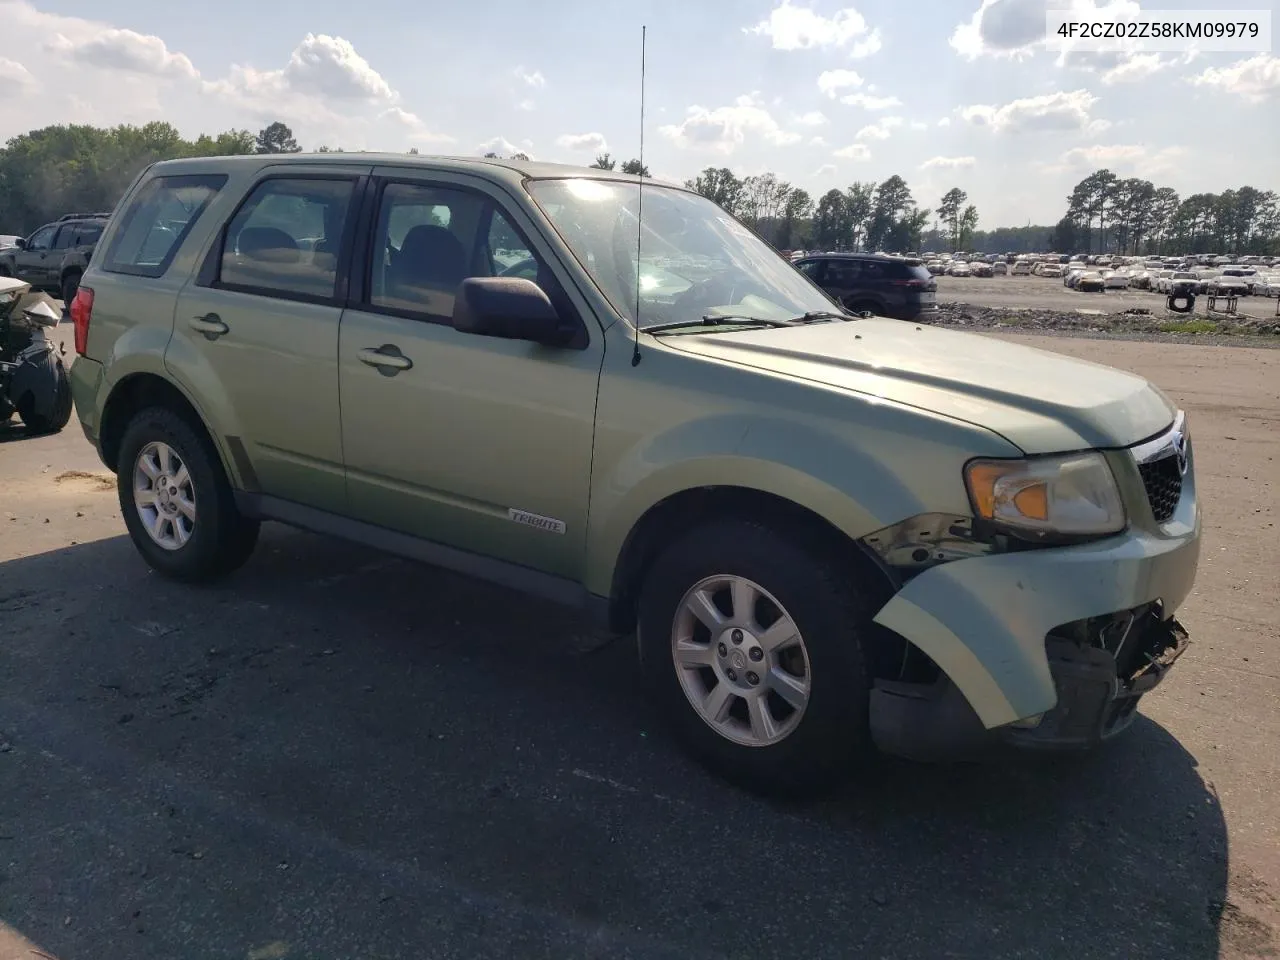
point(751, 647)
point(177, 503)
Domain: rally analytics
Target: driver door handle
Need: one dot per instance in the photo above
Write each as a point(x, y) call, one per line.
point(386, 358)
point(210, 325)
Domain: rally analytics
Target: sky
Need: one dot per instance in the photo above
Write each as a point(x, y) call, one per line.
point(945, 93)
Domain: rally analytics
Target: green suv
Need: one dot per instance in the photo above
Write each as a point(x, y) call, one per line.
point(828, 532)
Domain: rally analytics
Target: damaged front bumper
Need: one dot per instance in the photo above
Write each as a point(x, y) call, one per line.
point(1048, 647)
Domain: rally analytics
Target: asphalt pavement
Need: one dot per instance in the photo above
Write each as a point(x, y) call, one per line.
point(340, 754)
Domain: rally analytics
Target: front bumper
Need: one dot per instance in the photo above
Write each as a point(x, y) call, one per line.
point(995, 625)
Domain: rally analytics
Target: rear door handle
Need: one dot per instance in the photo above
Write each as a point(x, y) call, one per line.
point(210, 325)
point(386, 358)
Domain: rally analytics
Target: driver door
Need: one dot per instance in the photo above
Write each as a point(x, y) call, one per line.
point(31, 264)
point(473, 442)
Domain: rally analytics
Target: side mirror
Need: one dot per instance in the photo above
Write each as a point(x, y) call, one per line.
point(20, 243)
point(42, 314)
point(511, 308)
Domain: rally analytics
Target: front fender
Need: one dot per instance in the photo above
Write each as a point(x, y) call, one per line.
point(852, 486)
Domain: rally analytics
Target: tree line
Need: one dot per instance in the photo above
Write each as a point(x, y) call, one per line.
point(79, 168)
point(1109, 214)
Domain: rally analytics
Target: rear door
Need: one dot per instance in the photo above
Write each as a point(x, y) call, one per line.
point(257, 330)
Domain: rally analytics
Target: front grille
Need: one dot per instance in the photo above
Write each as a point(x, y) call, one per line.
point(1163, 481)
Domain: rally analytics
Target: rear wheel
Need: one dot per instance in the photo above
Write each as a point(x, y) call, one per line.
point(177, 503)
point(750, 645)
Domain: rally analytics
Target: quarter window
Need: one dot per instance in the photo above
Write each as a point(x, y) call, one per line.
point(285, 238)
point(155, 223)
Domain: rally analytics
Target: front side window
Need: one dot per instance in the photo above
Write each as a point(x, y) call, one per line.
point(430, 238)
point(424, 246)
point(42, 239)
point(285, 238)
point(694, 259)
point(156, 221)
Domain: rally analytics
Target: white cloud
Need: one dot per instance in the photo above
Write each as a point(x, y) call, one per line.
point(1016, 28)
point(818, 142)
point(1137, 67)
point(724, 129)
point(533, 79)
point(855, 151)
point(525, 105)
point(944, 122)
point(110, 48)
point(499, 145)
point(880, 130)
point(801, 28)
point(591, 142)
point(1134, 159)
point(13, 72)
point(325, 85)
point(1255, 79)
point(831, 82)
point(919, 125)
point(1060, 111)
point(825, 170)
point(870, 102)
point(814, 118)
point(948, 163)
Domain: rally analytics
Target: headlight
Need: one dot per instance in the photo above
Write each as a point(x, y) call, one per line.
point(1073, 495)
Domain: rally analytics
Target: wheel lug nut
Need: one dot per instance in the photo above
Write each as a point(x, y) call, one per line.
point(732, 674)
point(724, 651)
point(752, 677)
point(756, 654)
point(737, 636)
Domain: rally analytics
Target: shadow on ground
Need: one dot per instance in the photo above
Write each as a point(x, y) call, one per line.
point(337, 753)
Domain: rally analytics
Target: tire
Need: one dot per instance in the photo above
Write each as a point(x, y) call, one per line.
point(70, 284)
point(218, 538)
point(62, 404)
point(829, 734)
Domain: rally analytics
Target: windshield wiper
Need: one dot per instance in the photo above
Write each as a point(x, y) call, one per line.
point(721, 320)
point(813, 315)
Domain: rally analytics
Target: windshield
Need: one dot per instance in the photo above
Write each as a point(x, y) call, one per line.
point(695, 260)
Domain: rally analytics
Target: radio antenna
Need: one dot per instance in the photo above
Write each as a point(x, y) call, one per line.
point(635, 353)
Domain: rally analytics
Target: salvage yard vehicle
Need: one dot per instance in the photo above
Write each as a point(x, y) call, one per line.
point(55, 256)
point(826, 531)
point(1115, 279)
point(33, 378)
point(873, 283)
point(1091, 281)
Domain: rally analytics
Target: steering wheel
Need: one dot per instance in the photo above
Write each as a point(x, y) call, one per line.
point(526, 268)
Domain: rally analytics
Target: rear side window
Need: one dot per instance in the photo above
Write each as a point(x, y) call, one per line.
point(88, 233)
point(157, 220)
point(285, 238)
point(66, 237)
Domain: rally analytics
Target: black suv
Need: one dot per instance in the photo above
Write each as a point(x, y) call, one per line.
point(56, 255)
point(886, 286)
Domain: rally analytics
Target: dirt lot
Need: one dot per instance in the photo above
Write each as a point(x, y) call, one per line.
point(338, 754)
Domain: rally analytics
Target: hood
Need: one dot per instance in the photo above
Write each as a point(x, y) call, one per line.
point(1040, 401)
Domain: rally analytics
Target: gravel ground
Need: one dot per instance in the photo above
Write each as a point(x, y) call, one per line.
point(1044, 306)
point(338, 754)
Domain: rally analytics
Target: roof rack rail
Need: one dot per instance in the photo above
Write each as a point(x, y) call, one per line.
point(83, 216)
